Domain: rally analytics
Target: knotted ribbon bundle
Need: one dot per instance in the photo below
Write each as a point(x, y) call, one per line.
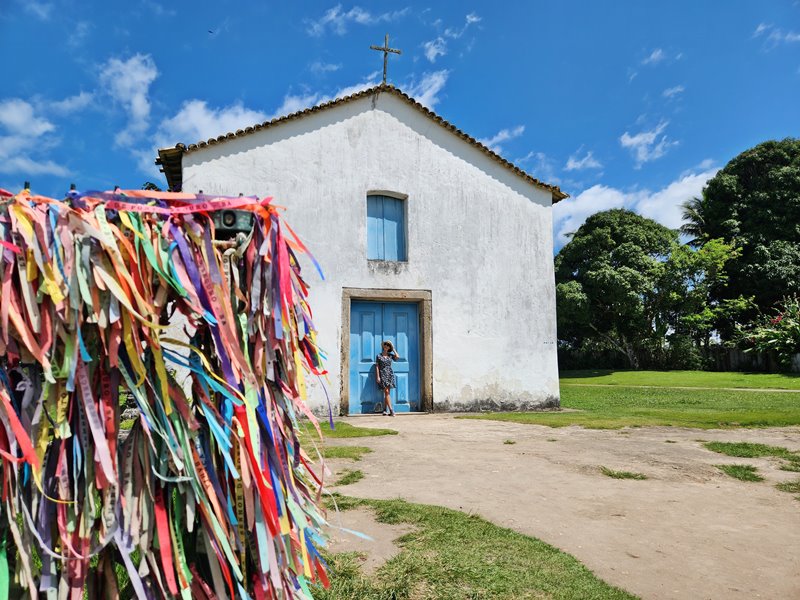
point(210, 495)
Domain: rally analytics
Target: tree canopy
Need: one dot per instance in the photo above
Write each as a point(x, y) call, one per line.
point(753, 203)
point(604, 277)
point(625, 283)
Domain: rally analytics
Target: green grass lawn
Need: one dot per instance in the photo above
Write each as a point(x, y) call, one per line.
point(455, 556)
point(345, 430)
point(615, 406)
point(782, 381)
point(351, 452)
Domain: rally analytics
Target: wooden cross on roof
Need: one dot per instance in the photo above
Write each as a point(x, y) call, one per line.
point(385, 49)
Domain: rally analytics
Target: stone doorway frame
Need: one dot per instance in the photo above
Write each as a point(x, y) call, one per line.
point(423, 298)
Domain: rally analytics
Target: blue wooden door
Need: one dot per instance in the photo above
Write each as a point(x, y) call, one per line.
point(370, 324)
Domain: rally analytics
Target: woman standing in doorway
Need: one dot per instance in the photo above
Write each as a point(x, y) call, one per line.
point(385, 375)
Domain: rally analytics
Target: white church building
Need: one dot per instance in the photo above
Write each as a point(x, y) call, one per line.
point(426, 237)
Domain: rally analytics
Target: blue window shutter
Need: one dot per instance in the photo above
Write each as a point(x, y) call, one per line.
point(386, 228)
point(375, 243)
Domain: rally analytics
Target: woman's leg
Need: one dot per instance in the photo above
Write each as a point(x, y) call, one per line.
point(387, 400)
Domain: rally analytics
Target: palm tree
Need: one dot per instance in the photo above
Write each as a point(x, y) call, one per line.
point(694, 221)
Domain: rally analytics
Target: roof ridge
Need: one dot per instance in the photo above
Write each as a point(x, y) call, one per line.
point(169, 158)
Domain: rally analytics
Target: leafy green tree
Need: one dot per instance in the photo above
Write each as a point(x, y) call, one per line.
point(685, 301)
point(606, 277)
point(625, 283)
point(694, 221)
point(754, 204)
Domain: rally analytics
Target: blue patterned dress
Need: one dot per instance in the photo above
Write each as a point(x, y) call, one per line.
point(385, 370)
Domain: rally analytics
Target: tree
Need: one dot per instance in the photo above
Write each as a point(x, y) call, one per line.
point(694, 221)
point(754, 204)
point(685, 295)
point(625, 283)
point(606, 277)
point(779, 333)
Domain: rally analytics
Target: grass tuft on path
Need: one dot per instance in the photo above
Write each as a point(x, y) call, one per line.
point(351, 452)
point(750, 450)
point(614, 407)
point(622, 474)
point(454, 555)
point(793, 487)
point(349, 476)
point(345, 430)
point(741, 472)
point(778, 381)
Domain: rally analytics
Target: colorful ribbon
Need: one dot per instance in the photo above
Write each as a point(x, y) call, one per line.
point(210, 495)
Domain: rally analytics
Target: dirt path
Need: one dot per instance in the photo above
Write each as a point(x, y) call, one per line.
point(689, 531)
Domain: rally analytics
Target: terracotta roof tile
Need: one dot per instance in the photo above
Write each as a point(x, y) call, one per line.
point(170, 158)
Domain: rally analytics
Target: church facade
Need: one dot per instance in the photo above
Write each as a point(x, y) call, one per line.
point(426, 238)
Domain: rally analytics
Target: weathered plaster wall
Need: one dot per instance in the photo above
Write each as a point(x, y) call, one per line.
point(479, 238)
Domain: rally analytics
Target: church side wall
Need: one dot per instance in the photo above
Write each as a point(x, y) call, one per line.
point(479, 239)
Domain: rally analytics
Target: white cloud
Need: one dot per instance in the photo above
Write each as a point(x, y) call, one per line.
point(435, 48)
point(27, 166)
point(664, 205)
point(197, 121)
point(470, 19)
point(19, 118)
point(319, 67)
point(72, 103)
point(493, 143)
point(40, 10)
point(128, 82)
point(647, 145)
point(370, 81)
point(707, 164)
point(578, 164)
point(774, 36)
point(569, 214)
point(655, 57)
point(158, 9)
point(673, 91)
point(25, 133)
point(762, 27)
point(540, 166)
point(426, 90)
point(296, 102)
point(79, 34)
point(337, 21)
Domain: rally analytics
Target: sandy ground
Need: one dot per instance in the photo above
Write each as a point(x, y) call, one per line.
point(376, 548)
point(689, 531)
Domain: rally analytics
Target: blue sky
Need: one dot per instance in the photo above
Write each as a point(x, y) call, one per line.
point(622, 103)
